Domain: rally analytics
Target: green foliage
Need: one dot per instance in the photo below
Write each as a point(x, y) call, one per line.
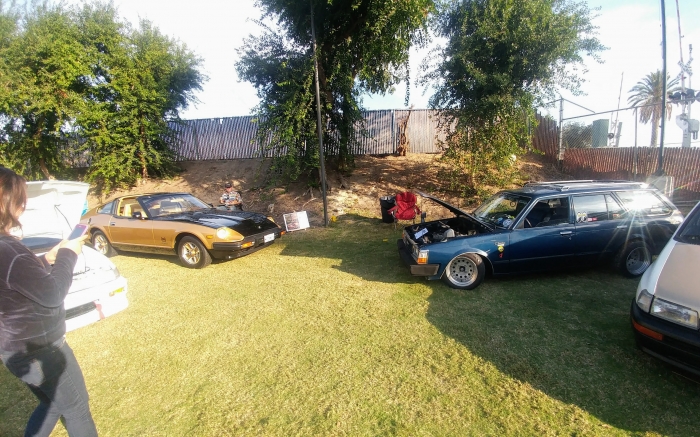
point(86, 86)
point(501, 58)
point(577, 136)
point(647, 95)
point(362, 46)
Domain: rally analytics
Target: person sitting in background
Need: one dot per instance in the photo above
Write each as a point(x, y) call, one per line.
point(231, 199)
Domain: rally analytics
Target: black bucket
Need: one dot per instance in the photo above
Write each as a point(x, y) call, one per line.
point(386, 203)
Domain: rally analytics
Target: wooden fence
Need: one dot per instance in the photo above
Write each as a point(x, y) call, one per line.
point(630, 163)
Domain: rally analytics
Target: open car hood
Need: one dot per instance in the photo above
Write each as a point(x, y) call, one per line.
point(53, 208)
point(453, 209)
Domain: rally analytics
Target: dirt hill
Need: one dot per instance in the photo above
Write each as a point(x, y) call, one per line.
point(358, 193)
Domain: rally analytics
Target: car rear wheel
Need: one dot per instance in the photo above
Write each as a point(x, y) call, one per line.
point(102, 244)
point(465, 272)
point(192, 253)
point(634, 258)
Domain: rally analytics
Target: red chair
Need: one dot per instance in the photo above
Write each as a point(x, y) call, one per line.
point(406, 208)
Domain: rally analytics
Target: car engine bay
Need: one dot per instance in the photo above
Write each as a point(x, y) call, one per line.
point(443, 230)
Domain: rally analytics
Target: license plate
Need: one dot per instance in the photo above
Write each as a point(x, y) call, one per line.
point(269, 237)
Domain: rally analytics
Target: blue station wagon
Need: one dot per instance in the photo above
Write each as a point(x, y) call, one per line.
point(543, 226)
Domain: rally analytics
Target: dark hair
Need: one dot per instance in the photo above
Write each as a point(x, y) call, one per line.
point(13, 199)
point(227, 185)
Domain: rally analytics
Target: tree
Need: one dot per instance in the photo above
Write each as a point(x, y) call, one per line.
point(647, 96)
point(362, 46)
point(83, 82)
point(577, 136)
point(501, 58)
point(140, 81)
point(43, 65)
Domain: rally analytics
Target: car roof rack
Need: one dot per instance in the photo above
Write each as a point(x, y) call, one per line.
point(566, 185)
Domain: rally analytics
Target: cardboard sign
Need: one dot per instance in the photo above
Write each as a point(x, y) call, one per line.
point(296, 220)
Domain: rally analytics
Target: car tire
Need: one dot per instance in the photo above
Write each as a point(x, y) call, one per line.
point(465, 272)
point(633, 259)
point(101, 244)
point(192, 253)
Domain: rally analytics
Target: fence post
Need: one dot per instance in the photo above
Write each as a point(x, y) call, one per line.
point(560, 155)
point(635, 168)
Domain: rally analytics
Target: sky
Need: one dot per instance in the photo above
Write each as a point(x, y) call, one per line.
point(631, 29)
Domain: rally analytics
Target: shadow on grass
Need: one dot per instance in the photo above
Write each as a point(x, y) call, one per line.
point(567, 335)
point(365, 247)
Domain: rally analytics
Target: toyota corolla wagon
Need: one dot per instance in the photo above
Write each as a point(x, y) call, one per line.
point(543, 226)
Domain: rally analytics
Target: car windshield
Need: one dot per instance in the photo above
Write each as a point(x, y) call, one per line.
point(690, 229)
point(501, 209)
point(164, 205)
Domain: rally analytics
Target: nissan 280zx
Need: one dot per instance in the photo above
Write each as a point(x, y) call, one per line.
point(178, 223)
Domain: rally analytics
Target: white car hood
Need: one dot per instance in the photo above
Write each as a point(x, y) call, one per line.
point(677, 275)
point(53, 208)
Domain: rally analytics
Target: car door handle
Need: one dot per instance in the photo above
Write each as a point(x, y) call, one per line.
point(113, 223)
point(622, 227)
point(566, 233)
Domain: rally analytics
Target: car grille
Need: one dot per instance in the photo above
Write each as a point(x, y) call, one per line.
point(80, 310)
point(409, 243)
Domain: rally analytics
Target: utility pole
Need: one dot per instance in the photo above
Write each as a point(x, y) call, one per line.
point(660, 166)
point(319, 121)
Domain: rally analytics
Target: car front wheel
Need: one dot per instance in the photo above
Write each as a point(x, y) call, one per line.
point(101, 244)
point(634, 258)
point(192, 253)
point(465, 272)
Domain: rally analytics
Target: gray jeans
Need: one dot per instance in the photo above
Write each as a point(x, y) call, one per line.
point(54, 376)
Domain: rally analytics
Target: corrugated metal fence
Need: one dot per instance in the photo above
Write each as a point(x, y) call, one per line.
point(235, 137)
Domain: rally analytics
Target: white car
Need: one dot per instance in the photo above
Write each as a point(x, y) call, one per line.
point(53, 209)
point(666, 307)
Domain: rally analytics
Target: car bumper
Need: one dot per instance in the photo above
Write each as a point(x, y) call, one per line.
point(236, 250)
point(675, 344)
point(96, 303)
point(415, 268)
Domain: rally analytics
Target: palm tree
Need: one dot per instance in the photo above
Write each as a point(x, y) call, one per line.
point(647, 96)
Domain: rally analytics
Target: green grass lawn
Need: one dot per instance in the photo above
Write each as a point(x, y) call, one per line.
point(326, 333)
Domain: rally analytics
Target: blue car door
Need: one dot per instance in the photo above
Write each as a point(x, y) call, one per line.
point(601, 227)
point(544, 239)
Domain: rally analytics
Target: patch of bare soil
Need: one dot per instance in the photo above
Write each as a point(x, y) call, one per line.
point(358, 193)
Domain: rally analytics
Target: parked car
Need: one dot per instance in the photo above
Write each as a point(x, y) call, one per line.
point(665, 309)
point(53, 209)
point(543, 226)
point(178, 223)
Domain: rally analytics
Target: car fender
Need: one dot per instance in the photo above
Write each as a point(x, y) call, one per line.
point(207, 243)
point(464, 251)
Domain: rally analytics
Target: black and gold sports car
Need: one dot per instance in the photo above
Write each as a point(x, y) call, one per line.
point(178, 223)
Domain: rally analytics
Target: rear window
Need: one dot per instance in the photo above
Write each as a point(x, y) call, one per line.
point(644, 202)
point(690, 229)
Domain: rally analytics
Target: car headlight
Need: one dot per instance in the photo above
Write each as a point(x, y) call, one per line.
point(644, 300)
point(228, 234)
point(422, 257)
point(675, 313)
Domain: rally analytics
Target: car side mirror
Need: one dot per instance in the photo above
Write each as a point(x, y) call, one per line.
point(137, 215)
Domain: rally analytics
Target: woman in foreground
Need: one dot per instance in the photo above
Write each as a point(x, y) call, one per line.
point(32, 320)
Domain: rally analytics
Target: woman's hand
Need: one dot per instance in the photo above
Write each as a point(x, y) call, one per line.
point(75, 245)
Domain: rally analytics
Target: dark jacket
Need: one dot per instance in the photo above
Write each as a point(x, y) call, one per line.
point(31, 296)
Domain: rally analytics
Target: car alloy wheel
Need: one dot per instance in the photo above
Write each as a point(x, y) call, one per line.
point(638, 261)
point(102, 245)
point(465, 272)
point(634, 259)
point(192, 253)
